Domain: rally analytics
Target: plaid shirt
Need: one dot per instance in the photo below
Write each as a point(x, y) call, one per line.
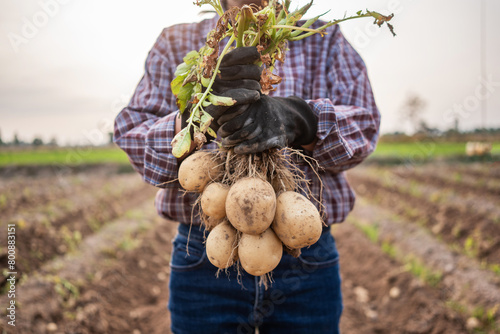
point(325, 71)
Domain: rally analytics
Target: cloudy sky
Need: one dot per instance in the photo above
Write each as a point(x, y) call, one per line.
point(69, 66)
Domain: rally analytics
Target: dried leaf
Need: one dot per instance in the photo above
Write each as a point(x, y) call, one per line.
point(199, 139)
point(205, 121)
point(267, 80)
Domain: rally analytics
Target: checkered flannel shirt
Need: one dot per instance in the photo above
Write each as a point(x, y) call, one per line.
point(325, 71)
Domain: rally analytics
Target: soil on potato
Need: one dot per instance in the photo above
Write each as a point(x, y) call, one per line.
point(127, 292)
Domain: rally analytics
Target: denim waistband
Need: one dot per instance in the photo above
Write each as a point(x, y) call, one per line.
point(198, 232)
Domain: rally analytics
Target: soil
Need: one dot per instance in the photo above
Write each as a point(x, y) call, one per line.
point(470, 222)
point(461, 278)
point(115, 280)
point(121, 275)
point(369, 276)
point(54, 213)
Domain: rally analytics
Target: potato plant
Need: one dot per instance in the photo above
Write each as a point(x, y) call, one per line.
point(269, 29)
point(250, 203)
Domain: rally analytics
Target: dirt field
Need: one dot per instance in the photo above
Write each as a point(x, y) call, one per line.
point(419, 254)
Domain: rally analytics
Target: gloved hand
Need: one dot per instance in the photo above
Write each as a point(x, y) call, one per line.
point(238, 79)
point(268, 123)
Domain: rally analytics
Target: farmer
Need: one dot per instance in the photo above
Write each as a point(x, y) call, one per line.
point(324, 106)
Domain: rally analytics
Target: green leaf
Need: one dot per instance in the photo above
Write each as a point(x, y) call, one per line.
point(184, 96)
point(176, 84)
point(221, 100)
point(181, 143)
point(191, 57)
point(197, 96)
point(212, 132)
point(205, 81)
point(190, 61)
point(197, 88)
point(183, 69)
point(196, 116)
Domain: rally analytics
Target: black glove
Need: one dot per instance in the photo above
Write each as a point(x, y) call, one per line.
point(238, 79)
point(268, 123)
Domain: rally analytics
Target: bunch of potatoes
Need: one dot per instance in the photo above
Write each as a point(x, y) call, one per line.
point(253, 222)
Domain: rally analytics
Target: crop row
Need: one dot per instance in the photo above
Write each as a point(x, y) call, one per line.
point(468, 225)
point(58, 223)
point(99, 288)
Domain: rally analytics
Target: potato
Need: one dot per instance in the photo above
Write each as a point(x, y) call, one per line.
point(213, 200)
point(297, 221)
point(260, 254)
point(250, 205)
point(221, 245)
point(197, 170)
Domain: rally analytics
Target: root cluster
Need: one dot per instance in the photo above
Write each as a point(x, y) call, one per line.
point(240, 205)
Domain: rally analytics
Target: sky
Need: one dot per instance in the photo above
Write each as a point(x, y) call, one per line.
point(69, 66)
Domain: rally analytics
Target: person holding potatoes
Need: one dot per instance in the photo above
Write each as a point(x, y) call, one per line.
point(324, 107)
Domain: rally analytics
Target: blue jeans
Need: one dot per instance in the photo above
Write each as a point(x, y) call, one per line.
point(305, 295)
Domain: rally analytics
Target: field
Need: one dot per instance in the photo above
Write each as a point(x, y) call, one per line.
point(61, 156)
point(420, 253)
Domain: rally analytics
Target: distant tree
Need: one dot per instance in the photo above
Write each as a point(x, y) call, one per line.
point(1, 141)
point(456, 124)
point(52, 142)
point(37, 142)
point(424, 128)
point(16, 140)
point(412, 110)
point(451, 132)
point(110, 138)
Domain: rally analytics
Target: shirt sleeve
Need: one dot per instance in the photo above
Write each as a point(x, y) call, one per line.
point(348, 119)
point(145, 128)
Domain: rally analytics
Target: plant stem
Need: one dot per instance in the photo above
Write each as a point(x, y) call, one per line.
point(329, 24)
point(212, 80)
point(246, 16)
point(282, 26)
